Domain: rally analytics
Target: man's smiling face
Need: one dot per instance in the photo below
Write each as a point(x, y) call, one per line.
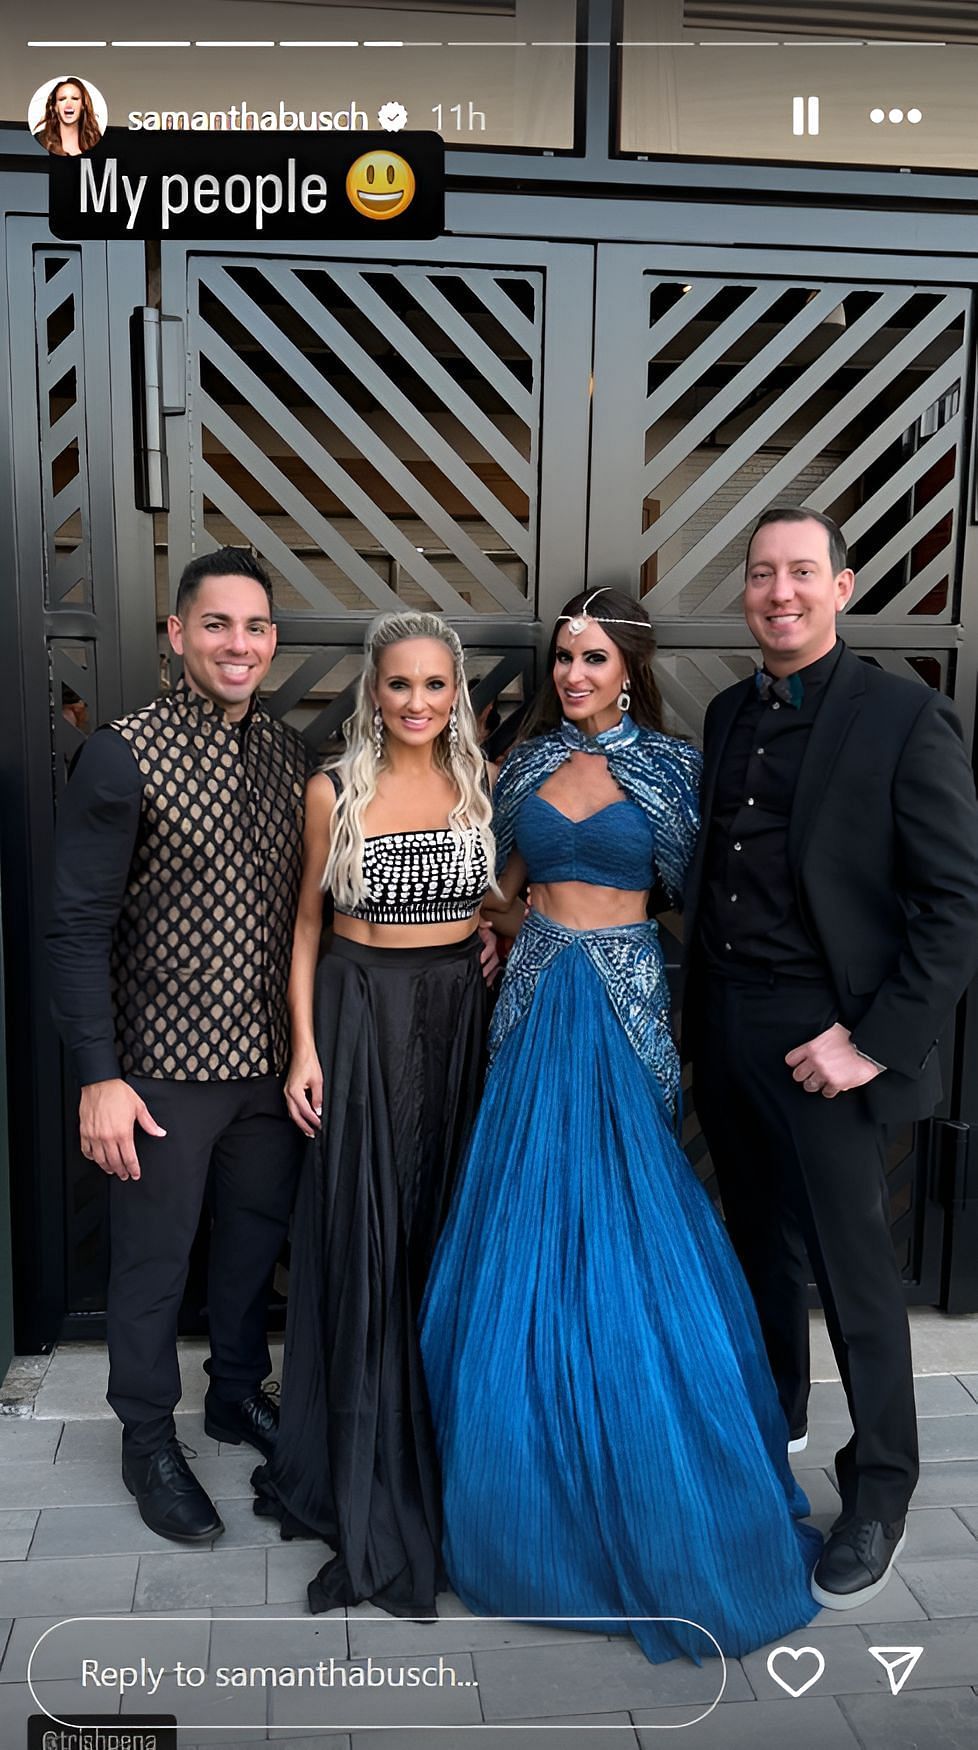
point(792, 595)
point(227, 641)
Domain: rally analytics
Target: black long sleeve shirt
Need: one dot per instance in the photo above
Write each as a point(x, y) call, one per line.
point(98, 822)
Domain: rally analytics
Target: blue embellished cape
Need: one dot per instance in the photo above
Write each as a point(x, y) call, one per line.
point(662, 776)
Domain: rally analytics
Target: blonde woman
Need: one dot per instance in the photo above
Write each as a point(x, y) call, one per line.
point(388, 1041)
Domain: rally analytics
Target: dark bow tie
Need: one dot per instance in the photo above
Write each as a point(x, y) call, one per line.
point(789, 688)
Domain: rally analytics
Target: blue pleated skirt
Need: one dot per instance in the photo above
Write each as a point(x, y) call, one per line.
point(611, 1443)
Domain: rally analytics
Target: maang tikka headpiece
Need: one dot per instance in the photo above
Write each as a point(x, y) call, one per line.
point(577, 622)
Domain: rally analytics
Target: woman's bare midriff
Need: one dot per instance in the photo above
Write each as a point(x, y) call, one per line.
point(403, 935)
point(580, 906)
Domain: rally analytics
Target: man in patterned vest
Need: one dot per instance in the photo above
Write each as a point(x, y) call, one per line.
point(177, 872)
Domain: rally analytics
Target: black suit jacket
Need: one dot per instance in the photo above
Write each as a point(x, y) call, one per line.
point(883, 847)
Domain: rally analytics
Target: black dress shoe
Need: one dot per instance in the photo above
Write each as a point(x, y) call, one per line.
point(169, 1497)
point(254, 1419)
point(856, 1562)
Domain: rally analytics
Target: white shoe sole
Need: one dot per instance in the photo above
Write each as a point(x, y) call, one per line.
point(852, 1600)
point(799, 1444)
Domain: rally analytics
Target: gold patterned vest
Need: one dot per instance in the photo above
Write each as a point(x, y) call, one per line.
point(200, 956)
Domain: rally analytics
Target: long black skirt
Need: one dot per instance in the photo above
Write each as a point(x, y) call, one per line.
point(401, 1038)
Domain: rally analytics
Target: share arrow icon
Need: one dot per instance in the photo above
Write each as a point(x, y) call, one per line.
point(897, 1662)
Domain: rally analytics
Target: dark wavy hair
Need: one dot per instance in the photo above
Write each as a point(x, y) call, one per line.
point(625, 622)
point(49, 133)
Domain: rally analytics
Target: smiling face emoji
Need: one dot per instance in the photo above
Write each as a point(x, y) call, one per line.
point(380, 185)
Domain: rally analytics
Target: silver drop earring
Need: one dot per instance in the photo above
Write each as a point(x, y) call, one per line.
point(378, 736)
point(624, 698)
point(453, 728)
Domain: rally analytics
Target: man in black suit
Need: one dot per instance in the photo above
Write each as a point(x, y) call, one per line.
point(832, 917)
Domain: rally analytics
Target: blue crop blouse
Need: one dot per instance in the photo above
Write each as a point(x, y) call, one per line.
point(612, 848)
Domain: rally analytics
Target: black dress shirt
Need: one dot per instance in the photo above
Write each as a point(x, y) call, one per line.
point(98, 821)
point(751, 924)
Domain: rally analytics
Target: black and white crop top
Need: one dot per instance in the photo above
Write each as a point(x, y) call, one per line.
point(434, 876)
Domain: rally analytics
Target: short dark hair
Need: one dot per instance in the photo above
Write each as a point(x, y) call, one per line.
point(226, 562)
point(799, 513)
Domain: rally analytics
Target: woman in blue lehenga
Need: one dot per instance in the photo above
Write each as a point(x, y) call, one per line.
point(611, 1443)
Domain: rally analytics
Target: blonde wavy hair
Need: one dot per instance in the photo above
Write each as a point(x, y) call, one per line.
point(359, 767)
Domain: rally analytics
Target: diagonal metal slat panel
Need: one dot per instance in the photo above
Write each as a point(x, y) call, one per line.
point(294, 433)
point(784, 472)
point(914, 469)
point(709, 351)
point(371, 446)
point(488, 288)
point(935, 571)
point(454, 398)
point(411, 420)
point(900, 544)
point(872, 508)
point(262, 537)
point(263, 468)
point(426, 292)
point(778, 349)
point(687, 307)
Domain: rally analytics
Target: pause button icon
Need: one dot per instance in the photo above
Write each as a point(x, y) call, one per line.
point(804, 115)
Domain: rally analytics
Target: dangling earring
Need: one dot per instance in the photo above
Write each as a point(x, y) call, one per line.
point(624, 698)
point(453, 729)
point(378, 734)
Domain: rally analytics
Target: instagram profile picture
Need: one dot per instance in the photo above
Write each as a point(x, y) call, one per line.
point(67, 115)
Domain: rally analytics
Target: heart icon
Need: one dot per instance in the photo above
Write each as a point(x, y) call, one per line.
point(796, 1653)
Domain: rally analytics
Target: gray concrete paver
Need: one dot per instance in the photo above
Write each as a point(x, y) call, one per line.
point(23, 1441)
point(203, 1578)
point(63, 1485)
point(69, 1528)
point(99, 1439)
point(584, 1732)
point(450, 1703)
point(292, 1640)
point(937, 1531)
point(243, 1529)
point(74, 1585)
point(949, 1655)
point(943, 1394)
point(943, 1437)
point(62, 1644)
point(947, 1587)
point(518, 1682)
point(456, 1631)
point(952, 1484)
point(63, 1700)
point(947, 1720)
point(291, 1566)
point(93, 1531)
point(823, 1496)
point(813, 1724)
point(16, 1532)
point(310, 1742)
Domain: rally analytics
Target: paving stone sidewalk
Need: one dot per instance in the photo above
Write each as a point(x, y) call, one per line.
point(73, 1547)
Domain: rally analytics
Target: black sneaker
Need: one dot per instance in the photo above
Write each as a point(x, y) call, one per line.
point(169, 1497)
point(856, 1561)
point(254, 1419)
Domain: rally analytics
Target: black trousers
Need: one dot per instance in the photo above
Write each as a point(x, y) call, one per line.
point(234, 1142)
point(798, 1172)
